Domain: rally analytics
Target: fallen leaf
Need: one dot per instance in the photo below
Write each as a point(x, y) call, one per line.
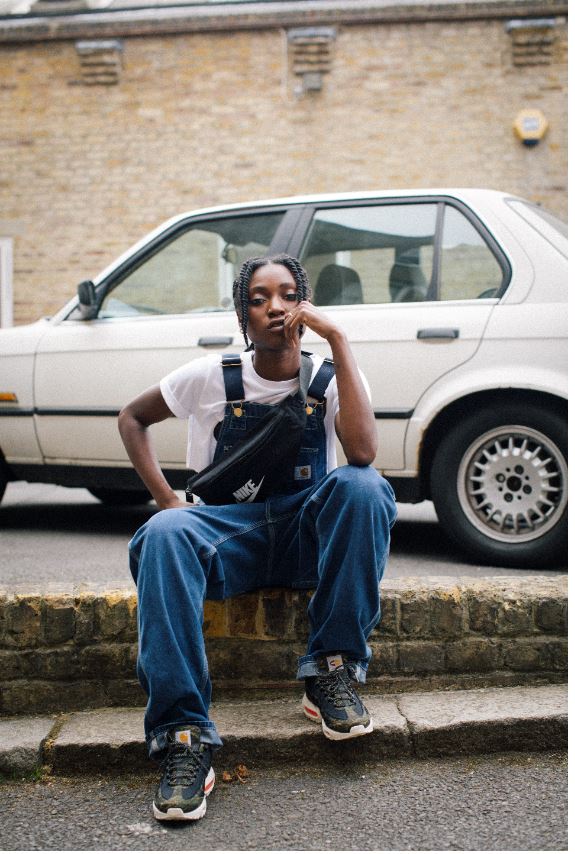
point(241, 773)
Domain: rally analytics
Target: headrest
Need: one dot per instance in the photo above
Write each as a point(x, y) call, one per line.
point(337, 285)
point(403, 276)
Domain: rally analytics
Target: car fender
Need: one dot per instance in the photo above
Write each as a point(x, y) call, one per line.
point(465, 383)
point(18, 346)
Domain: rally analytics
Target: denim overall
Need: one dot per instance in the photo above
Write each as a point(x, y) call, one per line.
point(328, 531)
point(242, 416)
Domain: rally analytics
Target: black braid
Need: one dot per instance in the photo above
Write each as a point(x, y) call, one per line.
point(242, 284)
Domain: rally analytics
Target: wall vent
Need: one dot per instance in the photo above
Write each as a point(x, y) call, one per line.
point(532, 41)
point(100, 61)
point(311, 55)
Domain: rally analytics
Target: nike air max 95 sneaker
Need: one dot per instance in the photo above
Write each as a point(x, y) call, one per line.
point(332, 700)
point(187, 777)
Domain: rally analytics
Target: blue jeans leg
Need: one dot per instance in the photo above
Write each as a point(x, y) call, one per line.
point(176, 563)
point(334, 535)
point(346, 524)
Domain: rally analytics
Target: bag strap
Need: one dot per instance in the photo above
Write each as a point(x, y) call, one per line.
point(232, 367)
point(305, 372)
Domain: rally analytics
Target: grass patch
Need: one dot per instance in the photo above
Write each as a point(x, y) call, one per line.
point(37, 775)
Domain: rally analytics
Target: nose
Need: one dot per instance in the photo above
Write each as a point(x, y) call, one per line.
point(275, 305)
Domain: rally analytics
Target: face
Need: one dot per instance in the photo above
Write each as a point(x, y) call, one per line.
point(272, 293)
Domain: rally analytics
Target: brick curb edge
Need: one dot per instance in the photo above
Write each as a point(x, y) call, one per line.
point(62, 652)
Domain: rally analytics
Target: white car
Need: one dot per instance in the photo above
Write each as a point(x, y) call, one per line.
point(455, 305)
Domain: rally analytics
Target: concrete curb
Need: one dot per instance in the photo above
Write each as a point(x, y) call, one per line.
point(265, 732)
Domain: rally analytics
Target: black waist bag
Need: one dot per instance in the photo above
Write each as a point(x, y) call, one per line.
point(258, 465)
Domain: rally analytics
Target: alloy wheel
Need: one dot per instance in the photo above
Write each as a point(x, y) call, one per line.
point(512, 484)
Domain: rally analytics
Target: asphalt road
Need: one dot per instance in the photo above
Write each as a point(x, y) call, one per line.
point(504, 802)
point(55, 538)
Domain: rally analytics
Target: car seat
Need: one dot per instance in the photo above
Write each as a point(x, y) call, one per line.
point(338, 285)
point(407, 283)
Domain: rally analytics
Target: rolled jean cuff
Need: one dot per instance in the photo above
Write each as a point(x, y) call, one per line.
point(158, 738)
point(308, 665)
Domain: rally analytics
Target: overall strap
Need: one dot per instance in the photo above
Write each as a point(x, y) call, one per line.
point(321, 380)
point(232, 367)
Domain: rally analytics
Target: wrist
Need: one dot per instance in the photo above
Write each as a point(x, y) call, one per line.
point(165, 502)
point(336, 338)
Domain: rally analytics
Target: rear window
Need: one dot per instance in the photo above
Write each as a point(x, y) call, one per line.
point(546, 224)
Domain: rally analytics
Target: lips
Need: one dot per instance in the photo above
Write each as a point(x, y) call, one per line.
point(276, 324)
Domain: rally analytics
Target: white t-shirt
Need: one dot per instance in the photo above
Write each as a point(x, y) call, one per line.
point(196, 391)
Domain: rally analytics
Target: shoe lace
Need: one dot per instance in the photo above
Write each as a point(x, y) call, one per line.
point(182, 764)
point(336, 685)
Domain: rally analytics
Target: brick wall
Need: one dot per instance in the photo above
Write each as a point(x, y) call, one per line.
point(212, 117)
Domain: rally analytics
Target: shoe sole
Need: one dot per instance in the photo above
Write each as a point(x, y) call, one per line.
point(312, 712)
point(178, 814)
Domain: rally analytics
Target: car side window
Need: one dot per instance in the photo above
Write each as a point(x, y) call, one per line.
point(468, 267)
point(371, 253)
point(194, 271)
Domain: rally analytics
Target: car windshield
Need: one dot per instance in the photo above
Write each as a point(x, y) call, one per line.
point(549, 226)
point(192, 269)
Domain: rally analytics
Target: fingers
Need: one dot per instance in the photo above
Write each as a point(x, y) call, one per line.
point(291, 325)
point(304, 314)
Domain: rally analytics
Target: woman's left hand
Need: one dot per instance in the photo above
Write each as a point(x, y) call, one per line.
point(355, 422)
point(306, 314)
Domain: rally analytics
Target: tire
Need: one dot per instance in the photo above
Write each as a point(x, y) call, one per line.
point(4, 476)
point(499, 486)
point(121, 497)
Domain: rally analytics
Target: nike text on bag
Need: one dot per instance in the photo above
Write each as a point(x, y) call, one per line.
point(258, 465)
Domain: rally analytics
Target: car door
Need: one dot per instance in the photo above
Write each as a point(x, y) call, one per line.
point(167, 304)
point(413, 282)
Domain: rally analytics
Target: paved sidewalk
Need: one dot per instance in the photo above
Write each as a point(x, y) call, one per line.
point(272, 731)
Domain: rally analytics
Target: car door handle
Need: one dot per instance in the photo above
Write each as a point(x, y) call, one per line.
point(216, 341)
point(437, 333)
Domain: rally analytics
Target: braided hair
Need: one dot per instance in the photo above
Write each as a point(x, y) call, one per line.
point(242, 284)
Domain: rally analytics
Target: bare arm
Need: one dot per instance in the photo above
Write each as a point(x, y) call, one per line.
point(355, 422)
point(133, 422)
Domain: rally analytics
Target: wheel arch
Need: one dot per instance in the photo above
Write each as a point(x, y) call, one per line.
point(468, 405)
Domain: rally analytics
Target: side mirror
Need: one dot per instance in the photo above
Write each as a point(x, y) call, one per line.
point(88, 300)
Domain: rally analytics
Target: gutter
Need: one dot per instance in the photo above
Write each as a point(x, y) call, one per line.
point(256, 16)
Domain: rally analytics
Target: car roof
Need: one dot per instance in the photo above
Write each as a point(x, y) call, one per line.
point(468, 193)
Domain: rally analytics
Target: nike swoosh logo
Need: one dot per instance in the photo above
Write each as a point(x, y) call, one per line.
point(255, 492)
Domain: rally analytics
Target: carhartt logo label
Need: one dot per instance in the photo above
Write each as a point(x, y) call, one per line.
point(334, 661)
point(302, 473)
point(184, 737)
point(248, 491)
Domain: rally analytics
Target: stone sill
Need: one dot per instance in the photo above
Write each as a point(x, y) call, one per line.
point(411, 609)
point(79, 650)
point(178, 19)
